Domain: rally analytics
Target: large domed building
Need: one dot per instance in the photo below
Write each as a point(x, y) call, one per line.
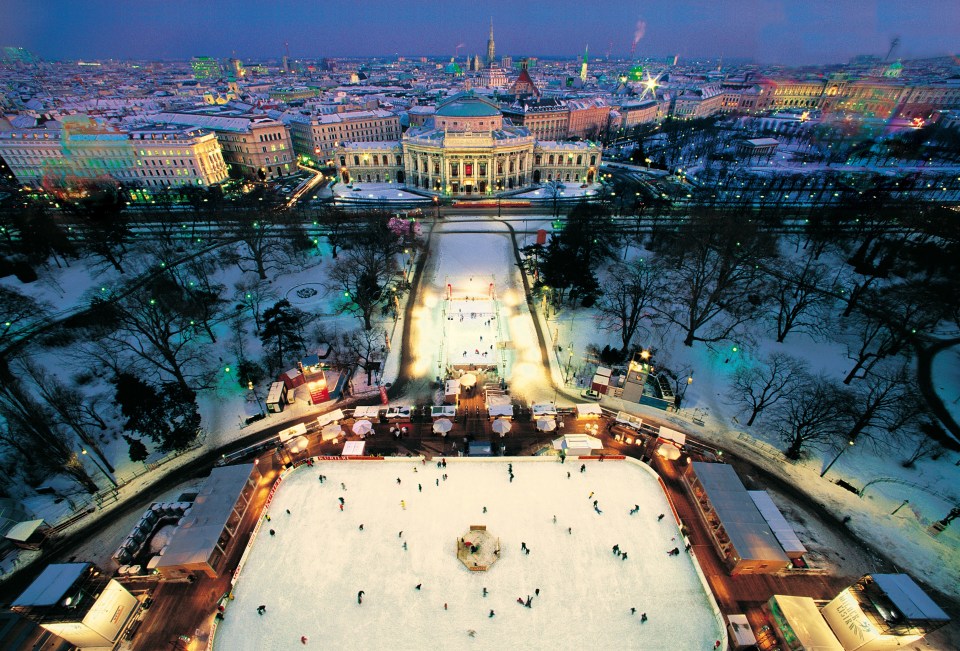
point(468, 149)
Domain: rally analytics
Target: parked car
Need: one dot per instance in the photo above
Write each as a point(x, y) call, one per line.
point(590, 394)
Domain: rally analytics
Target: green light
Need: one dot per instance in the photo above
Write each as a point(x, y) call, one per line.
point(347, 294)
point(735, 349)
point(226, 370)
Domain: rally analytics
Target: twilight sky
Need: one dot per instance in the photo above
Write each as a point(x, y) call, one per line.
point(768, 31)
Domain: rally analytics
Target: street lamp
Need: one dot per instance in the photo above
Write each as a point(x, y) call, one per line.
point(255, 395)
point(839, 454)
point(106, 474)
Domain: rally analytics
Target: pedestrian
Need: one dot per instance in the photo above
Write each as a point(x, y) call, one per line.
point(633, 611)
point(590, 495)
point(660, 517)
point(417, 587)
point(268, 517)
point(404, 545)
point(484, 592)
point(523, 546)
point(686, 547)
point(529, 601)
point(623, 556)
point(361, 527)
point(484, 509)
point(470, 631)
point(537, 592)
point(341, 499)
point(511, 477)
point(444, 476)
point(594, 503)
point(570, 530)
point(554, 519)
point(403, 505)
point(400, 535)
point(520, 600)
point(568, 475)
point(643, 617)
point(288, 511)
point(343, 486)
point(616, 549)
point(398, 481)
point(528, 551)
point(491, 613)
point(272, 532)
point(261, 609)
point(360, 597)
point(419, 488)
point(716, 645)
point(583, 467)
point(341, 506)
point(303, 639)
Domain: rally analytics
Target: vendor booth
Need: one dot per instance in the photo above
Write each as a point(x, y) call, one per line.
point(589, 411)
point(577, 445)
point(798, 624)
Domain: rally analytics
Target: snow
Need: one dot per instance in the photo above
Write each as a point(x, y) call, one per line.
point(586, 590)
point(570, 189)
point(946, 379)
point(385, 191)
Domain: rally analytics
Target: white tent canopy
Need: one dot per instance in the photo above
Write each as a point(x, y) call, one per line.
point(367, 411)
point(442, 426)
point(668, 451)
point(353, 449)
point(443, 411)
point(362, 427)
point(589, 410)
point(468, 380)
point(577, 444)
point(334, 416)
point(501, 411)
point(501, 426)
point(330, 432)
point(297, 430)
point(672, 435)
point(546, 424)
point(542, 409)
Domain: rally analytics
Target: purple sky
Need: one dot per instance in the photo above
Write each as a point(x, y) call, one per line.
point(768, 31)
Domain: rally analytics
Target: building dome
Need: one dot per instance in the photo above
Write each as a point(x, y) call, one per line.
point(467, 105)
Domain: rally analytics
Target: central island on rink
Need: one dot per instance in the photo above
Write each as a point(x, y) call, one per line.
point(478, 549)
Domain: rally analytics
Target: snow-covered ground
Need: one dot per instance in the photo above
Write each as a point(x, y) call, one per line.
point(385, 191)
point(309, 573)
point(946, 379)
point(570, 189)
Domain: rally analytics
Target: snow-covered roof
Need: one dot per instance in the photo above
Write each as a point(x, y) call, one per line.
point(588, 409)
point(807, 623)
point(778, 524)
point(909, 598)
point(23, 530)
point(51, 585)
point(197, 536)
point(741, 519)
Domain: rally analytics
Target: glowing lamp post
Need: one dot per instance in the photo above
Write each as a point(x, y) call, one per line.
point(839, 454)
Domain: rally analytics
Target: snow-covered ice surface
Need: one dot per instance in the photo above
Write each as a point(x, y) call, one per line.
point(385, 191)
point(309, 573)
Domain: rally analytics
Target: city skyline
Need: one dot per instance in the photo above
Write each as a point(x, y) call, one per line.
point(783, 32)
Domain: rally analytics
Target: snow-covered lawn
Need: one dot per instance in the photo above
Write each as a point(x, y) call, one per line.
point(385, 191)
point(309, 573)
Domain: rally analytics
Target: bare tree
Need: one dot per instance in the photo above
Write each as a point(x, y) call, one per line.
point(875, 402)
point(810, 414)
point(365, 348)
point(715, 281)
point(29, 429)
point(760, 386)
point(363, 280)
point(252, 294)
point(799, 296)
point(159, 335)
point(67, 404)
point(262, 247)
point(18, 311)
point(627, 298)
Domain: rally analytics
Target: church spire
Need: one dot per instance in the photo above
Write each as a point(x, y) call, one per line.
point(490, 45)
point(583, 66)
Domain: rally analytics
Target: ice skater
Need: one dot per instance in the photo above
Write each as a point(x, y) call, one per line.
point(403, 505)
point(343, 486)
point(523, 546)
point(262, 608)
point(520, 600)
point(484, 592)
point(273, 533)
point(554, 519)
point(398, 481)
point(303, 639)
point(484, 509)
point(583, 467)
point(288, 511)
point(361, 527)
point(491, 613)
point(400, 535)
point(590, 496)
point(616, 549)
point(419, 488)
point(417, 587)
point(660, 517)
point(623, 556)
point(633, 611)
point(404, 545)
point(643, 617)
point(570, 530)
point(360, 597)
point(597, 509)
point(529, 601)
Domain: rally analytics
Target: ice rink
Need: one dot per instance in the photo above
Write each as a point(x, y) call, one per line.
point(309, 573)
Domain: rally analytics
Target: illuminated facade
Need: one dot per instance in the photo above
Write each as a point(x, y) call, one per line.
point(170, 156)
point(468, 150)
point(317, 137)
